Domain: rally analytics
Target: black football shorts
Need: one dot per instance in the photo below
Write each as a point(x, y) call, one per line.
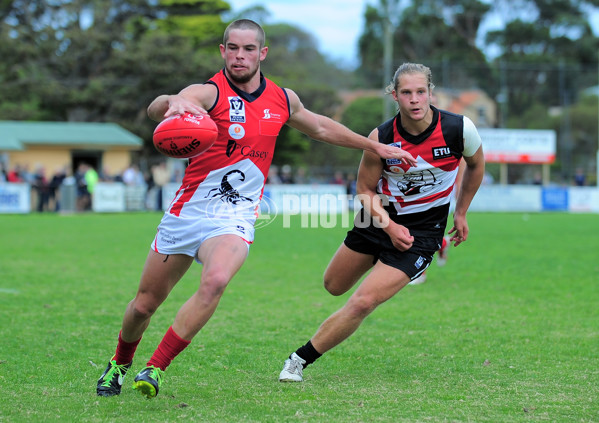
point(374, 241)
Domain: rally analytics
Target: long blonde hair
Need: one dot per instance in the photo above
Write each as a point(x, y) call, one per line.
point(410, 68)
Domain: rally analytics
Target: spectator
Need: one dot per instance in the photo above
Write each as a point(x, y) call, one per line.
point(42, 188)
point(106, 175)
point(55, 183)
point(83, 194)
point(286, 175)
point(177, 176)
point(300, 176)
point(133, 176)
point(91, 179)
point(338, 178)
point(161, 176)
point(579, 178)
point(15, 174)
point(273, 176)
point(26, 175)
point(3, 173)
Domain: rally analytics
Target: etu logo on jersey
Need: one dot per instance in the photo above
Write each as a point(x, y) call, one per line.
point(236, 110)
point(441, 153)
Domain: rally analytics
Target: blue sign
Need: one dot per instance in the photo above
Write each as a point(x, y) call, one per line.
point(554, 199)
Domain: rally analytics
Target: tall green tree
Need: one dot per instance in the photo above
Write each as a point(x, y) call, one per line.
point(547, 54)
point(102, 60)
point(106, 60)
point(434, 32)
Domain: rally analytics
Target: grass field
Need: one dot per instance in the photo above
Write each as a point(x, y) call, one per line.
point(507, 331)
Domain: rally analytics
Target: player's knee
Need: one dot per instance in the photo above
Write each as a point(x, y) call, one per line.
point(336, 285)
point(143, 309)
point(361, 306)
point(333, 287)
point(214, 282)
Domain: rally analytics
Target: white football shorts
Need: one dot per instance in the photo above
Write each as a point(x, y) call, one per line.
point(181, 235)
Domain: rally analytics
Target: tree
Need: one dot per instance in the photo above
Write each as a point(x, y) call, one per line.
point(363, 115)
point(433, 32)
point(547, 54)
point(105, 60)
point(197, 20)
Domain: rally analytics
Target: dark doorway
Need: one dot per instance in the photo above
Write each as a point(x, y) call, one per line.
point(91, 157)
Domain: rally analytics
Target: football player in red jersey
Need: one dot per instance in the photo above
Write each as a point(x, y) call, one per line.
point(405, 210)
point(211, 219)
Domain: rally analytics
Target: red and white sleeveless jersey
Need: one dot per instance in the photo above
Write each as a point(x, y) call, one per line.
point(228, 179)
point(438, 151)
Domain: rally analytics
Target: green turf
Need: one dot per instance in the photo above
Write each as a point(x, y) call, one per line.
point(507, 331)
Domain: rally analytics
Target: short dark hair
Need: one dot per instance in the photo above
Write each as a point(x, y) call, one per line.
point(245, 24)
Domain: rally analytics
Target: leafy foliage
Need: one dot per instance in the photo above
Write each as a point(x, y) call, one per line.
point(431, 32)
point(363, 115)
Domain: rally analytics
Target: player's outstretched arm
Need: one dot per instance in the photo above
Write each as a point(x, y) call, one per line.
point(327, 130)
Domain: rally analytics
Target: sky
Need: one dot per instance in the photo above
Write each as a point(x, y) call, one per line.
point(336, 24)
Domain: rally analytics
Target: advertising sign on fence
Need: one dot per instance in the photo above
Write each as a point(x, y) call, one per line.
point(518, 145)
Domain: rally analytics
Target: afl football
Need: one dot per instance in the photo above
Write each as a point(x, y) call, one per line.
point(185, 136)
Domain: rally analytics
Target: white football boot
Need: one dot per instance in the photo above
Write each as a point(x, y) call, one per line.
point(293, 369)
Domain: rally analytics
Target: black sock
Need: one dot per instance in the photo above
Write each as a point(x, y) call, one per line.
point(308, 353)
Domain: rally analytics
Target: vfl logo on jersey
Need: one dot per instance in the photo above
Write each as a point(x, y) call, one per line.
point(441, 153)
point(236, 110)
point(391, 162)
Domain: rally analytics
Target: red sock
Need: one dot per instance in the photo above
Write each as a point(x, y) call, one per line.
point(443, 243)
point(170, 346)
point(125, 350)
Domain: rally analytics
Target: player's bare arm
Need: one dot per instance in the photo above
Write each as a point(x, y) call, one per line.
point(369, 174)
point(196, 99)
point(471, 180)
point(327, 130)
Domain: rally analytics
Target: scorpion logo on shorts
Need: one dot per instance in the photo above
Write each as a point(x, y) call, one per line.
point(226, 192)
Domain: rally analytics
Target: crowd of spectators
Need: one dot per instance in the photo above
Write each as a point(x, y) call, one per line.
point(46, 187)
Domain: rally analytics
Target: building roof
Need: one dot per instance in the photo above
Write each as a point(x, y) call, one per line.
point(15, 135)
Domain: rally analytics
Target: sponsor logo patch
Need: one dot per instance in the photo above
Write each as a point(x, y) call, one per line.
point(441, 153)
